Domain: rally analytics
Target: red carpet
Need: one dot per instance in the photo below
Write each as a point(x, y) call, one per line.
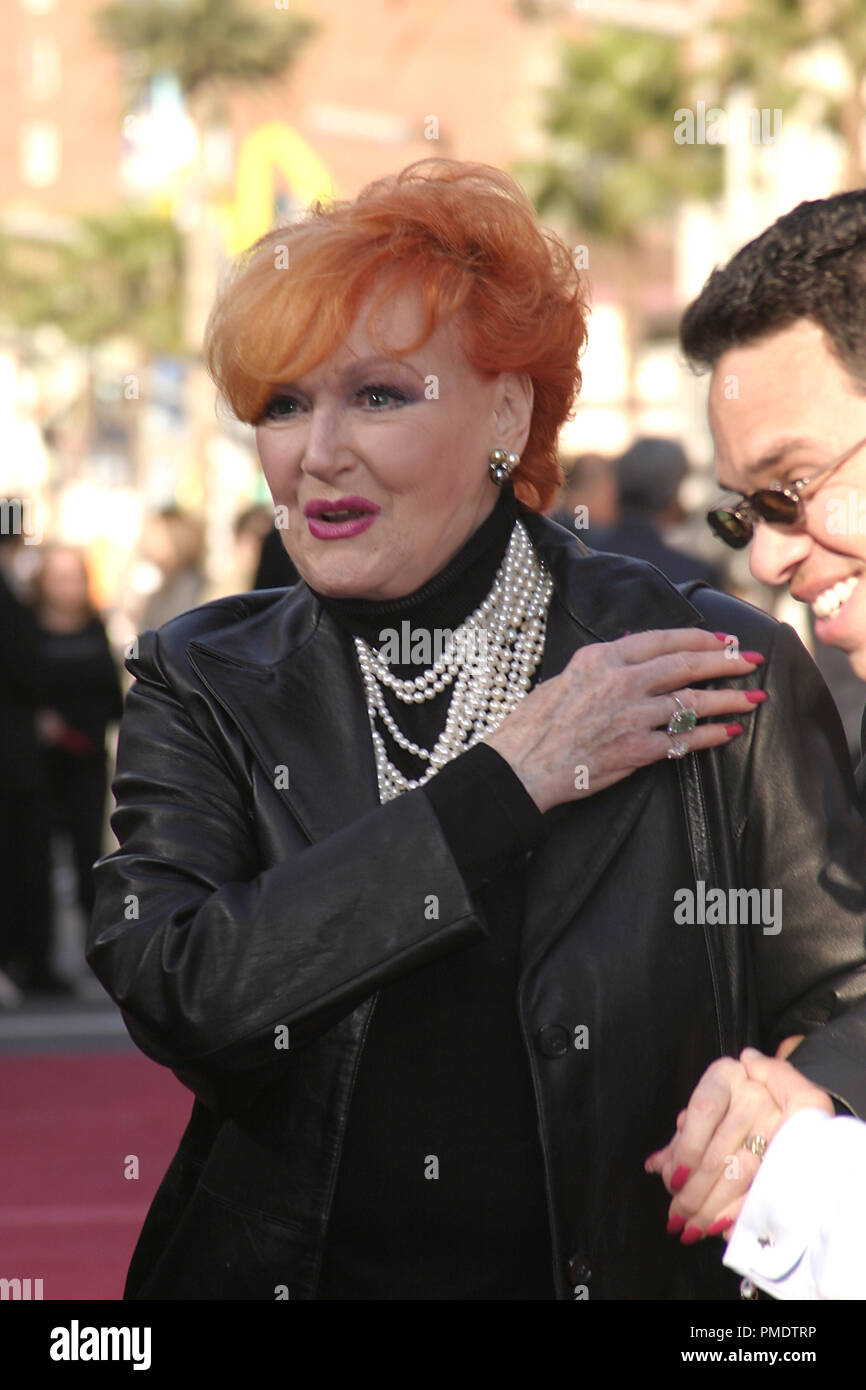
point(68, 1215)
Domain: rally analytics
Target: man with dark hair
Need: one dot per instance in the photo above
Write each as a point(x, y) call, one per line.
point(810, 264)
point(782, 328)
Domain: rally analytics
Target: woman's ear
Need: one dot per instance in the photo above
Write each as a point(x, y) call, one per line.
point(513, 411)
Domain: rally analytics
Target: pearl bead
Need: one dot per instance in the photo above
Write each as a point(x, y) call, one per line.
point(489, 663)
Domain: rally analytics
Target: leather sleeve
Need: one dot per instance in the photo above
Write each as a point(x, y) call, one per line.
point(789, 795)
point(207, 954)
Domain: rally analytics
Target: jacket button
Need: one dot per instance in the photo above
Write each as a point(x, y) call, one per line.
point(579, 1269)
point(552, 1040)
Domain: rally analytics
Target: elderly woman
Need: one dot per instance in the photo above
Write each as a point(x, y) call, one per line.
point(404, 849)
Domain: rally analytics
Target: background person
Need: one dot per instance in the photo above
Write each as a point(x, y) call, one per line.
point(174, 541)
point(587, 501)
point(25, 919)
point(83, 697)
point(648, 477)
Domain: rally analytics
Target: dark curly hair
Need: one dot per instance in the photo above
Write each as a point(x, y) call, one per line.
point(810, 264)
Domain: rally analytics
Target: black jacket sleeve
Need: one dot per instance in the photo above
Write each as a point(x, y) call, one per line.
point(488, 817)
point(206, 953)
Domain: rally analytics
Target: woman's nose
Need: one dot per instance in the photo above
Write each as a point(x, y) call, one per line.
point(324, 446)
point(775, 553)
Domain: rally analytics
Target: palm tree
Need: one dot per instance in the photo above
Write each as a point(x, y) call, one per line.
point(205, 43)
point(763, 46)
point(112, 276)
point(614, 167)
point(213, 47)
point(117, 274)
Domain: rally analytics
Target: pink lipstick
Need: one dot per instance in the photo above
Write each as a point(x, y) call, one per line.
point(338, 519)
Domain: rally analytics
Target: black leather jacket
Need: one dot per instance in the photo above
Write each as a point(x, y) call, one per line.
point(259, 886)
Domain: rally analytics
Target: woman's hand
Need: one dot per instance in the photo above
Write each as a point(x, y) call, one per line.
point(53, 731)
point(606, 713)
point(50, 727)
point(705, 1166)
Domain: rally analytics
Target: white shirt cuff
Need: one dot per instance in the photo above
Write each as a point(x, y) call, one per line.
point(802, 1230)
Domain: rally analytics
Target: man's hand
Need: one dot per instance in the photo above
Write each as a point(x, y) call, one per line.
point(788, 1087)
point(705, 1166)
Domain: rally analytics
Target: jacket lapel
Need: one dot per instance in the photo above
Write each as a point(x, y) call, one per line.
point(303, 709)
point(288, 679)
point(596, 599)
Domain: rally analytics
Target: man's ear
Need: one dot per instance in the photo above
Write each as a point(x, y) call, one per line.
point(513, 411)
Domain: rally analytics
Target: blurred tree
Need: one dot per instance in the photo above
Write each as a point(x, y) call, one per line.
point(207, 44)
point(767, 47)
point(103, 277)
point(614, 166)
point(212, 47)
point(113, 275)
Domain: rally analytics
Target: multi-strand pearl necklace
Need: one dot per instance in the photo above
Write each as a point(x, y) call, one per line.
point(489, 662)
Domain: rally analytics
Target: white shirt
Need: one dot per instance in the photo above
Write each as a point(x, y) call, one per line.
point(802, 1231)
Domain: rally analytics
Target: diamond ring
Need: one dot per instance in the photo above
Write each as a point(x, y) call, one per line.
point(678, 750)
point(757, 1145)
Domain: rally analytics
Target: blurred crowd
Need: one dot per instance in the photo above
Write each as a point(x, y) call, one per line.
point(61, 697)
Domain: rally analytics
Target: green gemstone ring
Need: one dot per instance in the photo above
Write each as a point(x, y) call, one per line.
point(683, 720)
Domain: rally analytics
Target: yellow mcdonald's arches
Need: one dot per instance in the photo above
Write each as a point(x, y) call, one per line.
point(252, 213)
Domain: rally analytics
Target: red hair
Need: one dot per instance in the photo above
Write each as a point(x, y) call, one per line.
point(467, 237)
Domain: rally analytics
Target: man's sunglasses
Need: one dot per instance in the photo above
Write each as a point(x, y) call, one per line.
point(777, 505)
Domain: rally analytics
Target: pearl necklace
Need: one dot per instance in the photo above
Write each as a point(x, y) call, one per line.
point(489, 662)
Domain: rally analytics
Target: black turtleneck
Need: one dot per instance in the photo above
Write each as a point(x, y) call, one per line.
point(441, 1187)
point(486, 813)
point(452, 593)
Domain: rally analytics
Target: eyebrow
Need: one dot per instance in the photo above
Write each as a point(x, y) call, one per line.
point(773, 455)
point(777, 451)
point(363, 366)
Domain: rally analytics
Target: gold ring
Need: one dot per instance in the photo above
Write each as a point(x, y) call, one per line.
point(757, 1145)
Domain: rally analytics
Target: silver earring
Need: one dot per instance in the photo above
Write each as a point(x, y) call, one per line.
point(501, 466)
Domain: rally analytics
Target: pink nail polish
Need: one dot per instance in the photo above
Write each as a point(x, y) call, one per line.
point(721, 1225)
point(680, 1177)
point(722, 636)
point(755, 697)
point(755, 658)
point(733, 729)
point(675, 1224)
point(691, 1235)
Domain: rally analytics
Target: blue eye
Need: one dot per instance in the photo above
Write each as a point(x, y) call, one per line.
point(279, 407)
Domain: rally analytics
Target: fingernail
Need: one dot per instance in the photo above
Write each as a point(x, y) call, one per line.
point(755, 657)
point(733, 729)
point(680, 1177)
point(675, 1225)
point(691, 1235)
point(721, 1225)
point(722, 636)
point(755, 697)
